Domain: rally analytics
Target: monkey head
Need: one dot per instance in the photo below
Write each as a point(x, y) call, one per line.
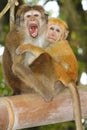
point(31, 19)
point(57, 30)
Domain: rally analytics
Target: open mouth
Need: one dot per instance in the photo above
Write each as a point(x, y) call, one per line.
point(33, 30)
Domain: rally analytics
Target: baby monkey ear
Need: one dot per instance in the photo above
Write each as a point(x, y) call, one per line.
point(66, 34)
point(17, 20)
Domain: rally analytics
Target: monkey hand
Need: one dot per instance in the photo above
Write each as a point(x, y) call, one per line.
point(65, 65)
point(20, 50)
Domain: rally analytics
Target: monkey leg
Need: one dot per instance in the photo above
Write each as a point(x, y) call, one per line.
point(17, 85)
point(10, 79)
point(43, 68)
point(58, 86)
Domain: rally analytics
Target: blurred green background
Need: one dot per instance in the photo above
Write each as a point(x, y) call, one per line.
point(74, 12)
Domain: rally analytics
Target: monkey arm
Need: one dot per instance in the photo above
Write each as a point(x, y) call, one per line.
point(35, 50)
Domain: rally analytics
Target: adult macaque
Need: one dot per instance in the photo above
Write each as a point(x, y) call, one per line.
point(30, 27)
point(64, 62)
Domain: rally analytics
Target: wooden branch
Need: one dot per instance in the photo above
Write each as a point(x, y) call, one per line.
point(30, 110)
point(12, 12)
point(8, 6)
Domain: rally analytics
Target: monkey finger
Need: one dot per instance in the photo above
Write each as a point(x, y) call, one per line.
point(19, 51)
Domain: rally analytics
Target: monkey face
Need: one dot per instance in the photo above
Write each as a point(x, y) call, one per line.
point(32, 21)
point(54, 33)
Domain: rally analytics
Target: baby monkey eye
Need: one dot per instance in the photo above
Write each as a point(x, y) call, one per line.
point(57, 30)
point(51, 28)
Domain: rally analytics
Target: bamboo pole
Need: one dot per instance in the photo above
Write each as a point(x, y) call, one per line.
point(23, 111)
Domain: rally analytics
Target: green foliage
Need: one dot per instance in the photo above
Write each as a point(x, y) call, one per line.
point(59, 126)
point(75, 49)
point(3, 33)
point(81, 66)
point(4, 89)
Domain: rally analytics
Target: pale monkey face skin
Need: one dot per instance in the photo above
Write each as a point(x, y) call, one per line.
point(32, 22)
point(54, 33)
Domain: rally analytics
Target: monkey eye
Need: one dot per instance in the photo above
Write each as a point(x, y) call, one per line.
point(36, 15)
point(57, 30)
point(51, 28)
point(28, 16)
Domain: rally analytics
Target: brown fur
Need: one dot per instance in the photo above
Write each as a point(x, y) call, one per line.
point(16, 72)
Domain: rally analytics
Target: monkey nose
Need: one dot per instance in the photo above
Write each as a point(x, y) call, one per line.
point(32, 19)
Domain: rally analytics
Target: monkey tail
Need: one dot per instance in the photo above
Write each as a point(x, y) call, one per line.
point(76, 105)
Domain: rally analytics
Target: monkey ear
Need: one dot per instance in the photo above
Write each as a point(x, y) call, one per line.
point(46, 17)
point(66, 34)
point(17, 20)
